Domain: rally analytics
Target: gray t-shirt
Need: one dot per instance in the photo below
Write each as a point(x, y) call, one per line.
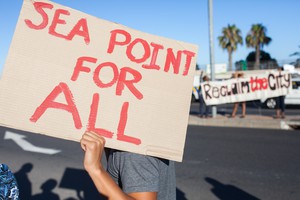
point(139, 173)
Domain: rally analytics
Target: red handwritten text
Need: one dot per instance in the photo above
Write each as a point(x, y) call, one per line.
point(119, 77)
point(171, 58)
point(80, 28)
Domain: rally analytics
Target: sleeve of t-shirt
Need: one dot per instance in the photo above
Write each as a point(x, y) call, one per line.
point(139, 174)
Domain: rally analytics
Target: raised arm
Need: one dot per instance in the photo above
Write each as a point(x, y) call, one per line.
point(93, 145)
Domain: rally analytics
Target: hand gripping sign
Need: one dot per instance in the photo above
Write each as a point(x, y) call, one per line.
point(68, 72)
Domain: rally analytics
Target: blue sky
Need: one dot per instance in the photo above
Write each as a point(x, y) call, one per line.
point(185, 21)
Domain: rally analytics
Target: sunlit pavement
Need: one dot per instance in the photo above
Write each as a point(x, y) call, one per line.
point(250, 121)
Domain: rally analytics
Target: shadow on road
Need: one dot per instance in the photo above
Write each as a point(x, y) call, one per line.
point(79, 180)
point(25, 186)
point(72, 179)
point(47, 193)
point(228, 192)
point(180, 195)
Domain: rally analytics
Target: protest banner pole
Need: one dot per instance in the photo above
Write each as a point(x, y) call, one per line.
point(211, 47)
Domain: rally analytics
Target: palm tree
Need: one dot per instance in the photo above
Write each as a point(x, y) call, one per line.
point(297, 62)
point(296, 53)
point(230, 38)
point(257, 38)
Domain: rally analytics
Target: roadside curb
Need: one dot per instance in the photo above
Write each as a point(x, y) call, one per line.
point(251, 121)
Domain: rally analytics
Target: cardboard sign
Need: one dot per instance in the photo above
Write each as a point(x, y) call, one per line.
point(68, 72)
point(263, 86)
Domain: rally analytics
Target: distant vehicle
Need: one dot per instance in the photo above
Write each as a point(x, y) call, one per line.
point(195, 94)
point(196, 88)
point(293, 98)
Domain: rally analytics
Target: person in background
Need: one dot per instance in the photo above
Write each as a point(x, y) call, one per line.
point(8, 185)
point(203, 108)
point(280, 104)
point(129, 176)
point(236, 104)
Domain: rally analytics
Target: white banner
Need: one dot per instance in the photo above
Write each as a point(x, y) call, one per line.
point(261, 86)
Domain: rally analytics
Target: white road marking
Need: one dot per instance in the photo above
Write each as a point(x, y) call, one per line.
point(27, 146)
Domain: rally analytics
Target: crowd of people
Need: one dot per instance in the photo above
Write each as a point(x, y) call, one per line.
point(204, 110)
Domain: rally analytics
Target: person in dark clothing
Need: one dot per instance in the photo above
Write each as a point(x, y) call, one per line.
point(280, 104)
point(203, 108)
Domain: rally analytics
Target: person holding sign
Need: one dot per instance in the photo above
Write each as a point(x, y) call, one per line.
point(280, 104)
point(128, 175)
point(203, 108)
point(236, 104)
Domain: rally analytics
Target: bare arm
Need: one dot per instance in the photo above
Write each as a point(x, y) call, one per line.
point(93, 145)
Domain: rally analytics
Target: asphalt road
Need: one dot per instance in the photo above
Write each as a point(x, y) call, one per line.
point(219, 164)
point(240, 164)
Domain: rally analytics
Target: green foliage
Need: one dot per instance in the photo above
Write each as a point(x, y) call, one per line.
point(229, 40)
point(267, 62)
point(296, 53)
point(297, 62)
point(264, 56)
point(257, 38)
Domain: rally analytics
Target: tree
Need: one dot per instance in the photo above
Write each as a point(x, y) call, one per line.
point(265, 59)
point(229, 40)
point(257, 38)
point(264, 56)
point(297, 62)
point(297, 53)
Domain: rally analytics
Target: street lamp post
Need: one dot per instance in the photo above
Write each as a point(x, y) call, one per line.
point(211, 48)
